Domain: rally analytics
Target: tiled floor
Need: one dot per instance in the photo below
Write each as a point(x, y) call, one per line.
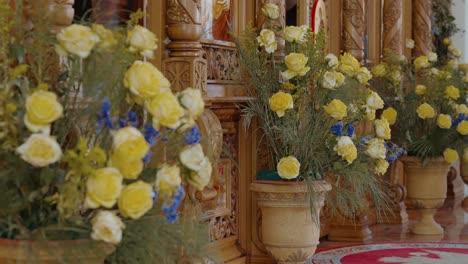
point(453, 220)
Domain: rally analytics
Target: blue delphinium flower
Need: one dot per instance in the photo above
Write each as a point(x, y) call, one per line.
point(193, 136)
point(337, 129)
point(104, 119)
point(171, 210)
point(122, 123)
point(461, 117)
point(151, 134)
point(350, 130)
point(394, 152)
point(132, 118)
point(364, 140)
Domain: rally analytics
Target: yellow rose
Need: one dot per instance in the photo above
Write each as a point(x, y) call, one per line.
point(288, 167)
point(363, 75)
point(446, 41)
point(395, 77)
point(381, 167)
point(390, 114)
point(421, 62)
point(382, 128)
point(42, 108)
point(192, 157)
point(370, 113)
point(270, 10)
point(103, 188)
point(106, 36)
point(420, 89)
point(77, 39)
point(409, 43)
point(145, 80)
point(425, 111)
point(107, 227)
point(168, 179)
point(465, 155)
point(349, 65)
point(129, 168)
point(336, 109)
point(332, 60)
point(376, 148)
point(346, 149)
point(380, 70)
point(461, 109)
point(280, 102)
point(40, 150)
point(296, 64)
point(267, 39)
point(450, 155)
point(166, 110)
point(199, 179)
point(295, 34)
point(340, 78)
point(462, 128)
point(444, 121)
point(129, 143)
point(136, 199)
point(452, 92)
point(329, 80)
point(373, 100)
point(192, 100)
point(142, 40)
point(432, 56)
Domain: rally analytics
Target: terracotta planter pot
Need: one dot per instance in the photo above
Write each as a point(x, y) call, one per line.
point(54, 252)
point(288, 230)
point(427, 190)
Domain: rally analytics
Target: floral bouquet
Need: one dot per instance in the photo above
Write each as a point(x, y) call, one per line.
point(313, 109)
point(94, 144)
point(431, 102)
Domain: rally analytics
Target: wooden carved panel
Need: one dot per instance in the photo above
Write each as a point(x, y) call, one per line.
point(354, 27)
point(392, 26)
point(222, 62)
point(422, 34)
point(186, 72)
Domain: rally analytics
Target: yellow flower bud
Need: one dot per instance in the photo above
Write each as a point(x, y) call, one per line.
point(390, 114)
point(382, 128)
point(425, 111)
point(444, 121)
point(380, 70)
point(450, 155)
point(421, 62)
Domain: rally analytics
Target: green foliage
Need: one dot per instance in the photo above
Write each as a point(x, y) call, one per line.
point(444, 26)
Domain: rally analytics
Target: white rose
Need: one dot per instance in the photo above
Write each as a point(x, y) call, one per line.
point(376, 148)
point(191, 99)
point(142, 40)
point(40, 150)
point(125, 134)
point(374, 101)
point(409, 44)
point(382, 128)
point(199, 179)
point(329, 80)
point(268, 40)
point(107, 227)
point(295, 34)
point(168, 179)
point(363, 75)
point(370, 113)
point(396, 77)
point(332, 60)
point(270, 10)
point(432, 56)
point(192, 157)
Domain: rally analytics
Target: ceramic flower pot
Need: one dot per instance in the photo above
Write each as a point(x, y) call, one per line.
point(54, 252)
point(288, 231)
point(427, 190)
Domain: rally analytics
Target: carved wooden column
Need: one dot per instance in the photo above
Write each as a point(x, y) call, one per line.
point(422, 34)
point(392, 25)
point(354, 27)
point(185, 67)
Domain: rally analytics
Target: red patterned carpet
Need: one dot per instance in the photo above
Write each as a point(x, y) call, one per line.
point(400, 253)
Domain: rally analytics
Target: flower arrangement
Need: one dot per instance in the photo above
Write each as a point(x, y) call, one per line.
point(94, 144)
point(312, 108)
point(430, 101)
